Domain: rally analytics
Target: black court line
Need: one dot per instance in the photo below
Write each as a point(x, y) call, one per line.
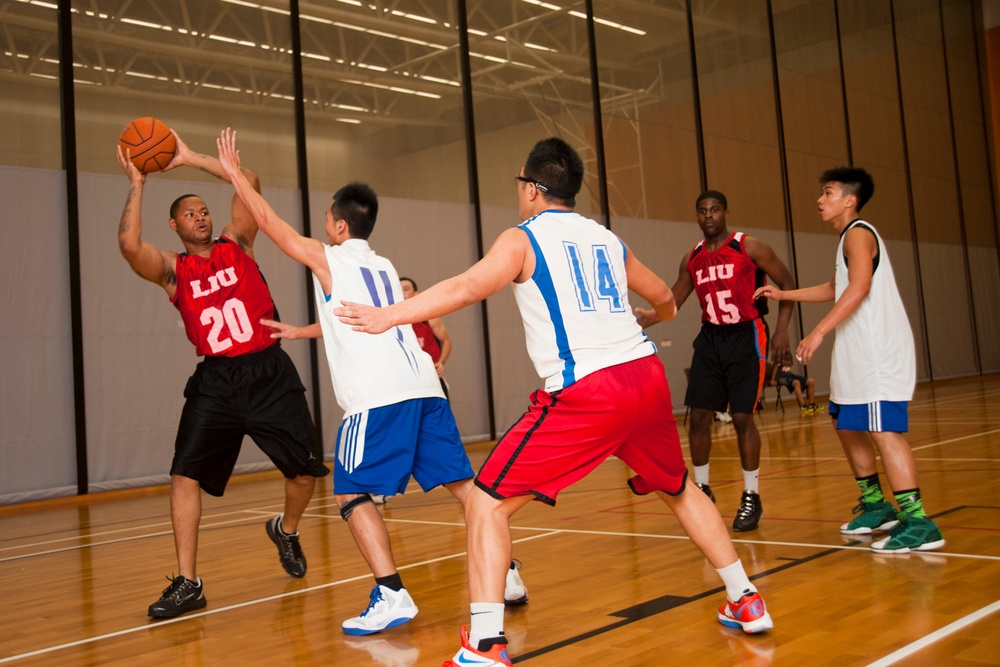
point(650, 608)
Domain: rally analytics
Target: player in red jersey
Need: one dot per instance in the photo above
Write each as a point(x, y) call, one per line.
point(432, 334)
point(730, 353)
point(246, 384)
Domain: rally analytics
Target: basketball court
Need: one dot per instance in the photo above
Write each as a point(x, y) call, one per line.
point(612, 579)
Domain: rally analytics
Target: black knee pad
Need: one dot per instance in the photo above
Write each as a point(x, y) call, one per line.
point(348, 507)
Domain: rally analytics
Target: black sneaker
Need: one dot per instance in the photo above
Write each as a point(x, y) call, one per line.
point(749, 513)
point(289, 549)
point(182, 595)
point(706, 490)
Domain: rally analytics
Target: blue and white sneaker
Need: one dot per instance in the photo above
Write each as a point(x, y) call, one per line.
point(386, 609)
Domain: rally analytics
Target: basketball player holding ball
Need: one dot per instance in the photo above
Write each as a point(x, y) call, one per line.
point(245, 385)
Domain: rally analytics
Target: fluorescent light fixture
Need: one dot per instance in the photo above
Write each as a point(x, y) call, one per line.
point(610, 24)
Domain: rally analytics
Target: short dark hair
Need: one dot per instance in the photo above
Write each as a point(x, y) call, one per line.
point(356, 203)
point(712, 194)
point(412, 282)
point(177, 204)
point(557, 168)
point(853, 181)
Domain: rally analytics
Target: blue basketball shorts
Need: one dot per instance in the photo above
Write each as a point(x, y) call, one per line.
point(890, 416)
point(379, 449)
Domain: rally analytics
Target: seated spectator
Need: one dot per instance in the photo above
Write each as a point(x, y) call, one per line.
point(782, 375)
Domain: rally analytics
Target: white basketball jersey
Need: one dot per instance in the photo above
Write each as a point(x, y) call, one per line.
point(370, 371)
point(873, 353)
point(575, 308)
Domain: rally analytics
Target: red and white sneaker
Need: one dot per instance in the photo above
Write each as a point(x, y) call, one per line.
point(748, 613)
point(495, 657)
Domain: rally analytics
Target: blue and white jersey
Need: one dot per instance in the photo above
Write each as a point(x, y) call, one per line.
point(577, 318)
point(874, 358)
point(370, 371)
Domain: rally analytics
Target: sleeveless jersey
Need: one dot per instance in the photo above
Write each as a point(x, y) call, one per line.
point(222, 299)
point(577, 318)
point(428, 342)
point(724, 281)
point(370, 371)
point(874, 358)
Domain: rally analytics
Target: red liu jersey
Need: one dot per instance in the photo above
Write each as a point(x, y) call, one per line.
point(222, 300)
point(428, 341)
point(725, 280)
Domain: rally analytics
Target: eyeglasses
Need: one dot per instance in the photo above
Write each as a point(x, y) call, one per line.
point(525, 179)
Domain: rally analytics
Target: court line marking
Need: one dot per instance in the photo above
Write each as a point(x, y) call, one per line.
point(249, 603)
point(935, 636)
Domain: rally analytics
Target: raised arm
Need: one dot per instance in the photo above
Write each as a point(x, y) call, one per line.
point(508, 259)
point(300, 248)
point(155, 265)
point(241, 228)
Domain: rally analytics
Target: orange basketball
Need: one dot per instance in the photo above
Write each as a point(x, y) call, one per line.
point(151, 144)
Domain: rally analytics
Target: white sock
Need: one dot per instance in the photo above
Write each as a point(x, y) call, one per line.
point(701, 474)
point(487, 621)
point(750, 480)
point(736, 581)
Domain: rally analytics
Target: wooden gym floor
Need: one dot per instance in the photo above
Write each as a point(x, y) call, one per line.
point(611, 577)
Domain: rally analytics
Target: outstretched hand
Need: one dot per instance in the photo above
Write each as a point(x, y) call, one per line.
point(229, 156)
point(362, 317)
point(281, 330)
point(769, 292)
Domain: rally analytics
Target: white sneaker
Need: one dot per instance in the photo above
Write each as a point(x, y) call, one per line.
point(386, 609)
point(379, 499)
point(514, 592)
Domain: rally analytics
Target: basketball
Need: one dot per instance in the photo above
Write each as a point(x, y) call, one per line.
point(151, 144)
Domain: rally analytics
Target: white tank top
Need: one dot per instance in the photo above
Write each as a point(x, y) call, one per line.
point(370, 371)
point(575, 308)
point(873, 353)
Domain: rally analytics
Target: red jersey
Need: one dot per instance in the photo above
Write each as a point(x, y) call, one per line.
point(428, 341)
point(222, 300)
point(725, 280)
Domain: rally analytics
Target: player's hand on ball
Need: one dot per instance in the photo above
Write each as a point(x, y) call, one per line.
point(361, 317)
point(125, 160)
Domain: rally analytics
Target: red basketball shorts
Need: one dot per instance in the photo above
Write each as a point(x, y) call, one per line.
point(623, 410)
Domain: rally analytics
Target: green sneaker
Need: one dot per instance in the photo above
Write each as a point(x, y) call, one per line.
point(871, 516)
point(913, 534)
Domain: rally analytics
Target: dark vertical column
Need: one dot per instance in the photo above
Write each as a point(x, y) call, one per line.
point(68, 106)
point(843, 85)
point(958, 189)
point(303, 179)
point(909, 194)
point(473, 164)
point(984, 92)
point(699, 135)
point(595, 94)
point(783, 157)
